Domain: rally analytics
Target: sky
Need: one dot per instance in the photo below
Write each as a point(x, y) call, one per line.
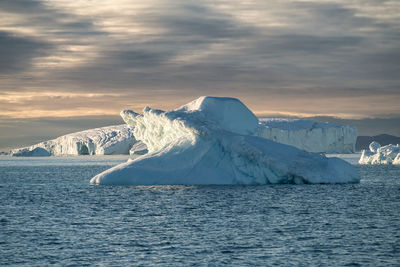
point(72, 65)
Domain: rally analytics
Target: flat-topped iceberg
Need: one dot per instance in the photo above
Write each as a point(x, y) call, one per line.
point(211, 141)
point(377, 154)
point(110, 140)
point(309, 135)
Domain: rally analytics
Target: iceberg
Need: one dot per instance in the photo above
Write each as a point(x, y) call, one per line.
point(309, 135)
point(377, 154)
point(396, 160)
point(30, 152)
point(211, 141)
point(363, 142)
point(110, 140)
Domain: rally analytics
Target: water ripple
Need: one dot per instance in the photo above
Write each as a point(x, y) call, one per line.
point(50, 215)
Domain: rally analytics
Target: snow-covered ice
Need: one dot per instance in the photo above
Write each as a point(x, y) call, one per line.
point(110, 140)
point(211, 141)
point(30, 152)
point(311, 136)
point(374, 146)
point(377, 154)
point(396, 160)
point(138, 148)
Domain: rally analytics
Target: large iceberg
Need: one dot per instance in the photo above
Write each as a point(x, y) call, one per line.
point(311, 136)
point(377, 154)
point(110, 140)
point(211, 141)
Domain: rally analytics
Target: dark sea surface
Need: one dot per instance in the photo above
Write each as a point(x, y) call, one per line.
point(50, 215)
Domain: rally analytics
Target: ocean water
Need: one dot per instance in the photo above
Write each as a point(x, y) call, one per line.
point(50, 215)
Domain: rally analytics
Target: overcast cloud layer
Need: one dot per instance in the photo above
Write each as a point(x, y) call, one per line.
point(62, 58)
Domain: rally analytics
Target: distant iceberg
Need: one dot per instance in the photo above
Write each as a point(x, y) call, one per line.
point(211, 141)
point(110, 140)
point(34, 151)
point(377, 154)
point(309, 135)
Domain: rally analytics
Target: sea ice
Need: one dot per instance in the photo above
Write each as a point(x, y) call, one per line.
point(211, 141)
point(377, 154)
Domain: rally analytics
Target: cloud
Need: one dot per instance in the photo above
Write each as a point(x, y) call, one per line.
point(17, 53)
point(22, 6)
point(308, 44)
point(202, 23)
point(282, 55)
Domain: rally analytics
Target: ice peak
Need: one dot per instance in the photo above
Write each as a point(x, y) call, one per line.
point(229, 113)
point(204, 102)
point(129, 117)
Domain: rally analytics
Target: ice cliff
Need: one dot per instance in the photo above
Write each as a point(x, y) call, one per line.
point(211, 141)
point(110, 140)
point(377, 154)
point(308, 135)
point(311, 136)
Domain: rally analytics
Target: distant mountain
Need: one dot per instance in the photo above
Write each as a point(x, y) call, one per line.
point(383, 139)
